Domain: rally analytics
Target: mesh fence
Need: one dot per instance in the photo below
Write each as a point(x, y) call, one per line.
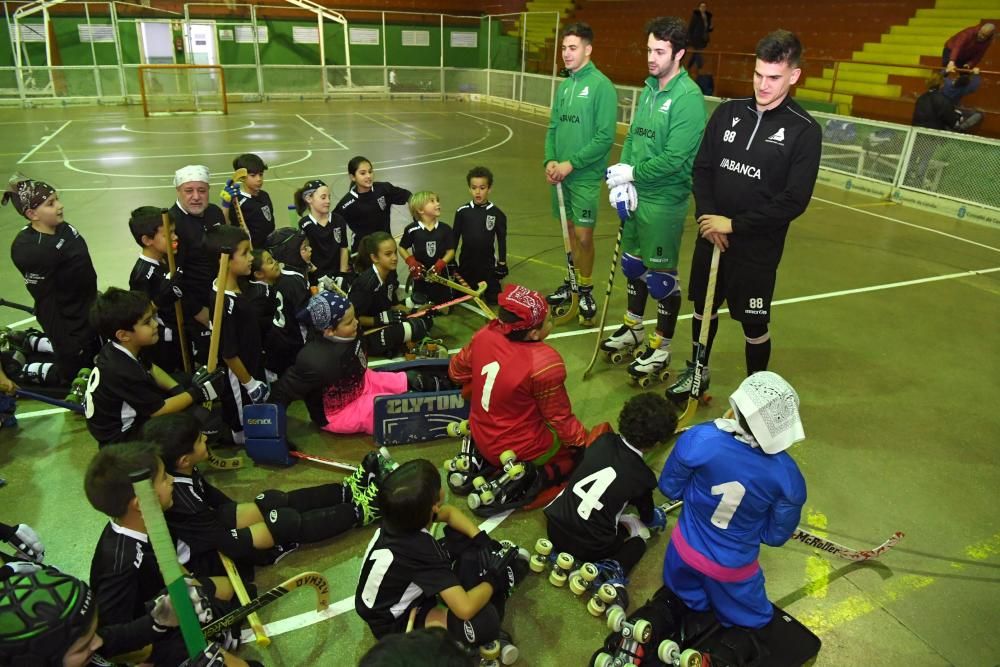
point(862, 148)
point(504, 42)
point(182, 89)
point(955, 166)
point(540, 37)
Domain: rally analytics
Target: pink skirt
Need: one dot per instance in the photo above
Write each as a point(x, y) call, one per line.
point(357, 416)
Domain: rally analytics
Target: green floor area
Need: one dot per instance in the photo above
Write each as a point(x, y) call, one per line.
point(885, 322)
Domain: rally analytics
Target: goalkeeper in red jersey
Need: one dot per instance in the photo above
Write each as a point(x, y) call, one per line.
point(516, 385)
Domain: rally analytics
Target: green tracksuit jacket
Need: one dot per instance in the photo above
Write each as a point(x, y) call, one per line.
point(583, 122)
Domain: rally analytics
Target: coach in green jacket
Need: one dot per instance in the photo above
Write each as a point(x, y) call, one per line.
point(577, 145)
point(653, 179)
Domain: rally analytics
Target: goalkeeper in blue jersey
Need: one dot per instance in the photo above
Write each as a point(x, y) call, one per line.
point(740, 489)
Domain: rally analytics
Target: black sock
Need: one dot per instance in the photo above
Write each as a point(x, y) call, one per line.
point(315, 497)
point(757, 355)
point(637, 294)
point(667, 310)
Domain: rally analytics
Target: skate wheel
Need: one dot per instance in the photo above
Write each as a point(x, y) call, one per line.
point(585, 322)
point(596, 607)
point(473, 501)
point(543, 547)
point(589, 572)
point(507, 456)
point(462, 464)
point(616, 617)
point(537, 564)
point(516, 471)
point(644, 381)
point(557, 578)
point(479, 482)
point(690, 658)
point(577, 585)
point(509, 653)
point(456, 480)
point(664, 375)
point(565, 561)
point(490, 651)
point(487, 497)
point(616, 357)
point(604, 660)
point(668, 651)
point(642, 630)
point(457, 429)
point(607, 593)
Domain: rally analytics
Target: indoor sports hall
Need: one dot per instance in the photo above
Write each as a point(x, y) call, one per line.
point(886, 316)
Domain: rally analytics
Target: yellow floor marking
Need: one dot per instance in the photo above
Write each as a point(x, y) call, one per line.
point(537, 261)
point(859, 605)
point(984, 549)
point(818, 567)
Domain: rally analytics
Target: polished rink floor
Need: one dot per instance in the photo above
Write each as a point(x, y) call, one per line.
point(885, 321)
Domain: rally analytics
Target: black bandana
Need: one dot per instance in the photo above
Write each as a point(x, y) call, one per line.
point(26, 194)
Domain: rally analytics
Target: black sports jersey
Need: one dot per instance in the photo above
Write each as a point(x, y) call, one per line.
point(198, 268)
point(258, 214)
point(121, 395)
point(399, 572)
point(326, 241)
point(369, 212)
point(428, 245)
point(240, 336)
point(759, 169)
point(477, 230)
point(150, 277)
point(328, 374)
point(60, 277)
point(193, 517)
point(611, 476)
point(263, 299)
point(287, 335)
point(370, 295)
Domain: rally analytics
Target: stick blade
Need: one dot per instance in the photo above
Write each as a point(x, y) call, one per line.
point(569, 315)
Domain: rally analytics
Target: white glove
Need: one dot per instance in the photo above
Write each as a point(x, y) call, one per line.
point(624, 195)
point(331, 284)
point(163, 613)
point(619, 174)
point(257, 390)
point(27, 543)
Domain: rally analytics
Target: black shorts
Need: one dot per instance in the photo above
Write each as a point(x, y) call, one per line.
point(563, 540)
point(746, 289)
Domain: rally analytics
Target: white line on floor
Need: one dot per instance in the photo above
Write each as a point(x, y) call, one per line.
point(321, 131)
point(44, 141)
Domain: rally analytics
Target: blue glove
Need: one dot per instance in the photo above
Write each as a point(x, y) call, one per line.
point(229, 193)
point(257, 390)
point(659, 521)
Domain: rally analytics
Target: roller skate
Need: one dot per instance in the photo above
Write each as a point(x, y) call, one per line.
point(562, 296)
point(78, 387)
point(607, 580)
point(458, 429)
point(652, 364)
point(680, 391)
point(624, 343)
point(588, 307)
point(501, 651)
point(561, 563)
point(465, 467)
point(632, 649)
point(485, 492)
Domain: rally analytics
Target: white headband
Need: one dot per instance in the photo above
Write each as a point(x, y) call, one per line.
point(192, 172)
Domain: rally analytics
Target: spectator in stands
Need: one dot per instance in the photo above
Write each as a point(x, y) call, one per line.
point(698, 29)
point(936, 111)
point(967, 47)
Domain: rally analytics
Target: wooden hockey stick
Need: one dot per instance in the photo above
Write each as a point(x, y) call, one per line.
point(702, 348)
point(622, 217)
point(313, 579)
point(840, 551)
point(324, 461)
point(166, 559)
point(241, 593)
point(574, 305)
point(213, 352)
point(239, 176)
point(168, 231)
point(476, 294)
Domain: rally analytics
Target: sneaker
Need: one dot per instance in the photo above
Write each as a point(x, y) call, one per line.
point(374, 468)
point(564, 294)
point(680, 391)
point(366, 505)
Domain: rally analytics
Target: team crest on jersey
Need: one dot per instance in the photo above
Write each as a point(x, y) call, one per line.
point(336, 235)
point(491, 222)
point(431, 247)
point(736, 121)
point(666, 106)
point(585, 92)
point(381, 203)
point(778, 137)
point(266, 210)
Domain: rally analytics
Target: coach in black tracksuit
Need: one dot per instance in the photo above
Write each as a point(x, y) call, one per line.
point(753, 175)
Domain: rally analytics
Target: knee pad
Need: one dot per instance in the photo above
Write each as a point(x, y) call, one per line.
point(756, 333)
point(632, 267)
point(662, 284)
point(238, 544)
point(481, 629)
point(285, 524)
point(271, 499)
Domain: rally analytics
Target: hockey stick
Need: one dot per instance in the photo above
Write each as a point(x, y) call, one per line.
point(213, 352)
point(166, 559)
point(168, 231)
point(622, 217)
point(702, 348)
point(241, 593)
point(839, 550)
point(73, 407)
point(314, 579)
point(476, 294)
point(239, 176)
point(424, 311)
point(574, 305)
point(17, 306)
point(324, 461)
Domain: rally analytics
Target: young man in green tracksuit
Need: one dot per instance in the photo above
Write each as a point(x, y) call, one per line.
point(653, 180)
point(577, 145)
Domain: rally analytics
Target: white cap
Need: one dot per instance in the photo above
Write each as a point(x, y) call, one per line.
point(192, 172)
point(770, 407)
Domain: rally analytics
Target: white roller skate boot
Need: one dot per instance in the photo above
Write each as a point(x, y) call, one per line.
point(652, 364)
point(624, 342)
